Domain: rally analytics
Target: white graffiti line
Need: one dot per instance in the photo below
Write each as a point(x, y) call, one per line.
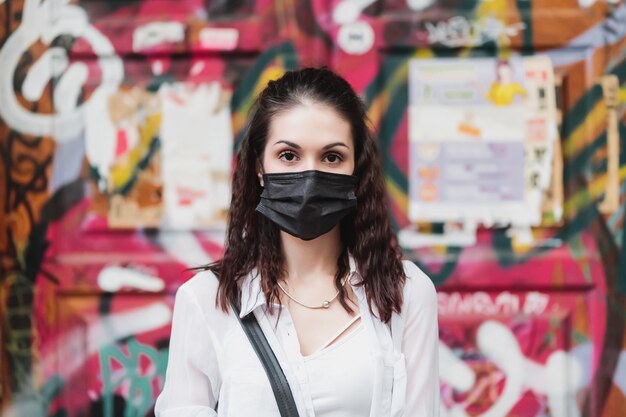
point(482, 303)
point(69, 87)
point(112, 278)
point(51, 64)
point(348, 11)
point(586, 3)
point(563, 379)
point(418, 5)
point(559, 379)
point(74, 347)
point(459, 31)
point(45, 21)
point(498, 344)
point(98, 130)
point(454, 371)
point(536, 303)
point(127, 323)
point(155, 33)
point(354, 37)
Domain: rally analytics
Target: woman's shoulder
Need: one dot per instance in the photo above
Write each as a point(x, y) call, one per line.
point(201, 288)
point(202, 283)
point(419, 289)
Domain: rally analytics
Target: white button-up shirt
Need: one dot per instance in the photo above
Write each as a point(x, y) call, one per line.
point(211, 359)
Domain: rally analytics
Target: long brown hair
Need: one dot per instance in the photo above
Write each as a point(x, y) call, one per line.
point(252, 240)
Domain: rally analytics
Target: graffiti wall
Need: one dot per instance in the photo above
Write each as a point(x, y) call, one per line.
point(119, 122)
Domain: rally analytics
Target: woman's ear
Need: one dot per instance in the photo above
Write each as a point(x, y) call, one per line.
point(259, 172)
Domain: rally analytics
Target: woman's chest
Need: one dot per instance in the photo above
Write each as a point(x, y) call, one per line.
point(340, 378)
point(245, 389)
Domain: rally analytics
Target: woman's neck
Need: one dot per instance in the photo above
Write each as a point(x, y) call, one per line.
point(307, 260)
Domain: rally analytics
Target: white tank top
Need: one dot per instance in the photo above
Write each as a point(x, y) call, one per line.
point(341, 375)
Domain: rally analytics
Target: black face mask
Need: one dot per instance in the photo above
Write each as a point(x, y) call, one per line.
point(307, 204)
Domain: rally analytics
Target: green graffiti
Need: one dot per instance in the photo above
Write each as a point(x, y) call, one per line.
point(140, 394)
point(18, 325)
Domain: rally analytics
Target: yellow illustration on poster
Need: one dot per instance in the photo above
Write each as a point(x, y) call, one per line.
point(481, 134)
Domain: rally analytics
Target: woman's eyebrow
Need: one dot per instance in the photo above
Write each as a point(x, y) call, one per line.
point(296, 146)
point(332, 145)
point(286, 142)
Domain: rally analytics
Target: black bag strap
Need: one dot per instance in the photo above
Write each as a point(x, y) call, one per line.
point(280, 386)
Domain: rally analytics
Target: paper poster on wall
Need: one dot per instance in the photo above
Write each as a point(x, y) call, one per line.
point(542, 142)
point(160, 159)
point(197, 143)
point(480, 139)
point(122, 149)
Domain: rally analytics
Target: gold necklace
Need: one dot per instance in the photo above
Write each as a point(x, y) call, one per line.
point(325, 303)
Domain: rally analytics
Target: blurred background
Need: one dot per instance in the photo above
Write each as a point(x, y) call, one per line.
point(501, 126)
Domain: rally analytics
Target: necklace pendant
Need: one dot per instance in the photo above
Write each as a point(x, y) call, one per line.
point(326, 304)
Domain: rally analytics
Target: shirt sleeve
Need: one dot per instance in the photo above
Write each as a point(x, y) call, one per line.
point(420, 345)
point(192, 377)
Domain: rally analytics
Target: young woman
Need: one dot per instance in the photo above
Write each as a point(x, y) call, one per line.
point(310, 252)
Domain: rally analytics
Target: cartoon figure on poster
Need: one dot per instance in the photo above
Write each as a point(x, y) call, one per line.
point(505, 89)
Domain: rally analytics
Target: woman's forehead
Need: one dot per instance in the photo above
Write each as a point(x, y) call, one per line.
point(310, 124)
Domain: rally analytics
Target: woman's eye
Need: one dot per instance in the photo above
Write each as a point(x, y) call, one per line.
point(287, 156)
point(333, 158)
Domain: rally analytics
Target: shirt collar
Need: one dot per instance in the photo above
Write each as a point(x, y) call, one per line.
point(252, 295)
